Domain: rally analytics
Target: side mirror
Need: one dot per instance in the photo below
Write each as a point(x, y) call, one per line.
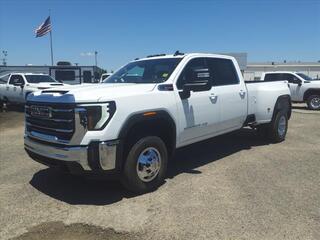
point(197, 80)
point(297, 81)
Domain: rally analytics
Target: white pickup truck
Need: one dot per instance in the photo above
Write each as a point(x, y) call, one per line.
point(130, 125)
point(302, 87)
point(17, 86)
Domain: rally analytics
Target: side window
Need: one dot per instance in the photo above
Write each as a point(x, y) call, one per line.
point(273, 77)
point(267, 78)
point(223, 72)
point(193, 64)
point(279, 77)
point(12, 79)
point(290, 78)
point(4, 79)
point(295, 79)
point(136, 71)
point(16, 79)
point(286, 76)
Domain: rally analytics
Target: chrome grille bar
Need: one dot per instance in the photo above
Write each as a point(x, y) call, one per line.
point(53, 119)
point(58, 124)
point(48, 128)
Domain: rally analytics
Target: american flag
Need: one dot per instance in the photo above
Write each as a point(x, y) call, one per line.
point(44, 28)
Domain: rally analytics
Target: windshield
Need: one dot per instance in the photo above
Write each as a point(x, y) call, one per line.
point(39, 78)
point(4, 79)
point(305, 77)
point(145, 71)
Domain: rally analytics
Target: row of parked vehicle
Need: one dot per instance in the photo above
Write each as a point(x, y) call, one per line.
point(302, 87)
point(130, 125)
point(15, 87)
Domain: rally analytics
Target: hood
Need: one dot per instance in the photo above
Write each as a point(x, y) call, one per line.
point(90, 93)
point(313, 83)
point(46, 85)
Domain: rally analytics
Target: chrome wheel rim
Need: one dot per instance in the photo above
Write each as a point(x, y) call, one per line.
point(148, 164)
point(315, 102)
point(282, 125)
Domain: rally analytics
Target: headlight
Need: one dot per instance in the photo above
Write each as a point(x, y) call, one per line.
point(97, 116)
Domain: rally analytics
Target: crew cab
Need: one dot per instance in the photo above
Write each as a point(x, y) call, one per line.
point(19, 85)
point(130, 125)
point(302, 87)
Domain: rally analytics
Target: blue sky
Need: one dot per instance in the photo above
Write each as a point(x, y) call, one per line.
point(123, 30)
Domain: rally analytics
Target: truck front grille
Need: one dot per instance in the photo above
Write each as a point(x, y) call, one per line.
point(55, 120)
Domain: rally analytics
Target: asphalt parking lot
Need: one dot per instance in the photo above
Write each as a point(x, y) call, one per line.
point(231, 187)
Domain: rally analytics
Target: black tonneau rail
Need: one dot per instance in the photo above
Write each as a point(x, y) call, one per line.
point(255, 81)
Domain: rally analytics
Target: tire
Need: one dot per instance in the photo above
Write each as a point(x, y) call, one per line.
point(5, 103)
point(271, 131)
point(277, 129)
point(139, 179)
point(314, 102)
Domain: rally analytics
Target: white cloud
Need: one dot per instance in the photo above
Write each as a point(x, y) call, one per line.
point(86, 54)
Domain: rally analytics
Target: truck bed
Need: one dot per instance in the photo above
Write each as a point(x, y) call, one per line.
point(262, 97)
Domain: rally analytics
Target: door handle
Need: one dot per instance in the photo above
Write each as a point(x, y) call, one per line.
point(242, 93)
point(213, 98)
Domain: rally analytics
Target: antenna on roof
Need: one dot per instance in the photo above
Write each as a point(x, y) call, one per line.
point(178, 53)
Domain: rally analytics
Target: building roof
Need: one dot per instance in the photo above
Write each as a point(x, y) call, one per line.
point(282, 64)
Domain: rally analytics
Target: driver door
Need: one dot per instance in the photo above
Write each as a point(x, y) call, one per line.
point(295, 88)
point(198, 114)
point(16, 85)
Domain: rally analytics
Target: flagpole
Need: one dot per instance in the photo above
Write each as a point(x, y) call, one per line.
point(51, 47)
point(51, 39)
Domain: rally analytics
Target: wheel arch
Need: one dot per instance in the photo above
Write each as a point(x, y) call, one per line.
point(283, 102)
point(26, 95)
point(156, 122)
point(310, 92)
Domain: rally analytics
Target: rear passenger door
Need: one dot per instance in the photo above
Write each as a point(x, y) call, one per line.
point(231, 93)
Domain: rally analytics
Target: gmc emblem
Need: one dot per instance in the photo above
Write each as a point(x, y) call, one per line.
point(40, 111)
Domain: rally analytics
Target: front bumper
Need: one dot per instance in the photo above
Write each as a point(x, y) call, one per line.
point(95, 156)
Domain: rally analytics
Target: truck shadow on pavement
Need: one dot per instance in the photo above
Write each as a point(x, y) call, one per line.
point(189, 158)
point(77, 190)
point(83, 191)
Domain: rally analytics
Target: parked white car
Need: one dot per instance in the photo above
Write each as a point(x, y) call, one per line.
point(130, 125)
point(302, 87)
point(19, 85)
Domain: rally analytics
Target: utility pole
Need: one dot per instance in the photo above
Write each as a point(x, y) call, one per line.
point(4, 59)
point(96, 58)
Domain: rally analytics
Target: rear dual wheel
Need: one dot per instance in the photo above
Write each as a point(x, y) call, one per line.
point(275, 131)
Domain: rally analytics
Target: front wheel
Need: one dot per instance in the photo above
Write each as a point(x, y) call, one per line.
point(146, 165)
point(314, 102)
